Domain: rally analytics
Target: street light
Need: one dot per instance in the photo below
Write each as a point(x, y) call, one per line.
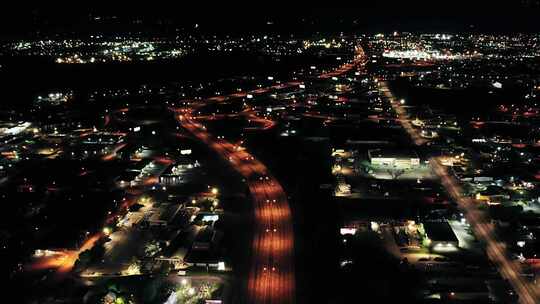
point(215, 191)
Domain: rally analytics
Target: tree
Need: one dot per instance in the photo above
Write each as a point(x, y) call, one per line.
point(395, 173)
point(85, 258)
point(206, 204)
point(134, 268)
point(89, 256)
point(151, 249)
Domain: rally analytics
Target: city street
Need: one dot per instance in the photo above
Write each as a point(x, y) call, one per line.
point(483, 230)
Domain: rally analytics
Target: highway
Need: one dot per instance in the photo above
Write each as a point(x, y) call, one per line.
point(358, 62)
point(221, 98)
point(259, 122)
point(271, 277)
point(483, 229)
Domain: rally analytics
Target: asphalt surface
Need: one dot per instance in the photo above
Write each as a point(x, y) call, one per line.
point(271, 277)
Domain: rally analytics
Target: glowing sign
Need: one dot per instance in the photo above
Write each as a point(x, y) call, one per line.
point(210, 218)
point(345, 231)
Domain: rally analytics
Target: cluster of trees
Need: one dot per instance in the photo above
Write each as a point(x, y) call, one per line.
point(89, 256)
point(374, 274)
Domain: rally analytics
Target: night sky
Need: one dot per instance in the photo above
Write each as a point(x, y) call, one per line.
point(450, 16)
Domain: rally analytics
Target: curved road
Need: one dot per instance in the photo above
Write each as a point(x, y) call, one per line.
point(271, 278)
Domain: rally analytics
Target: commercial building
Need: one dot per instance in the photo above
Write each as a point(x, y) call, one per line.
point(441, 236)
point(205, 250)
point(127, 179)
point(176, 174)
point(492, 195)
point(162, 215)
point(396, 159)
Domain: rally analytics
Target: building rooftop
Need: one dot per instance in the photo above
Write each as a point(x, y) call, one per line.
point(392, 153)
point(440, 231)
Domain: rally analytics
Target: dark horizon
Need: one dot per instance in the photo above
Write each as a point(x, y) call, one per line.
point(518, 16)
